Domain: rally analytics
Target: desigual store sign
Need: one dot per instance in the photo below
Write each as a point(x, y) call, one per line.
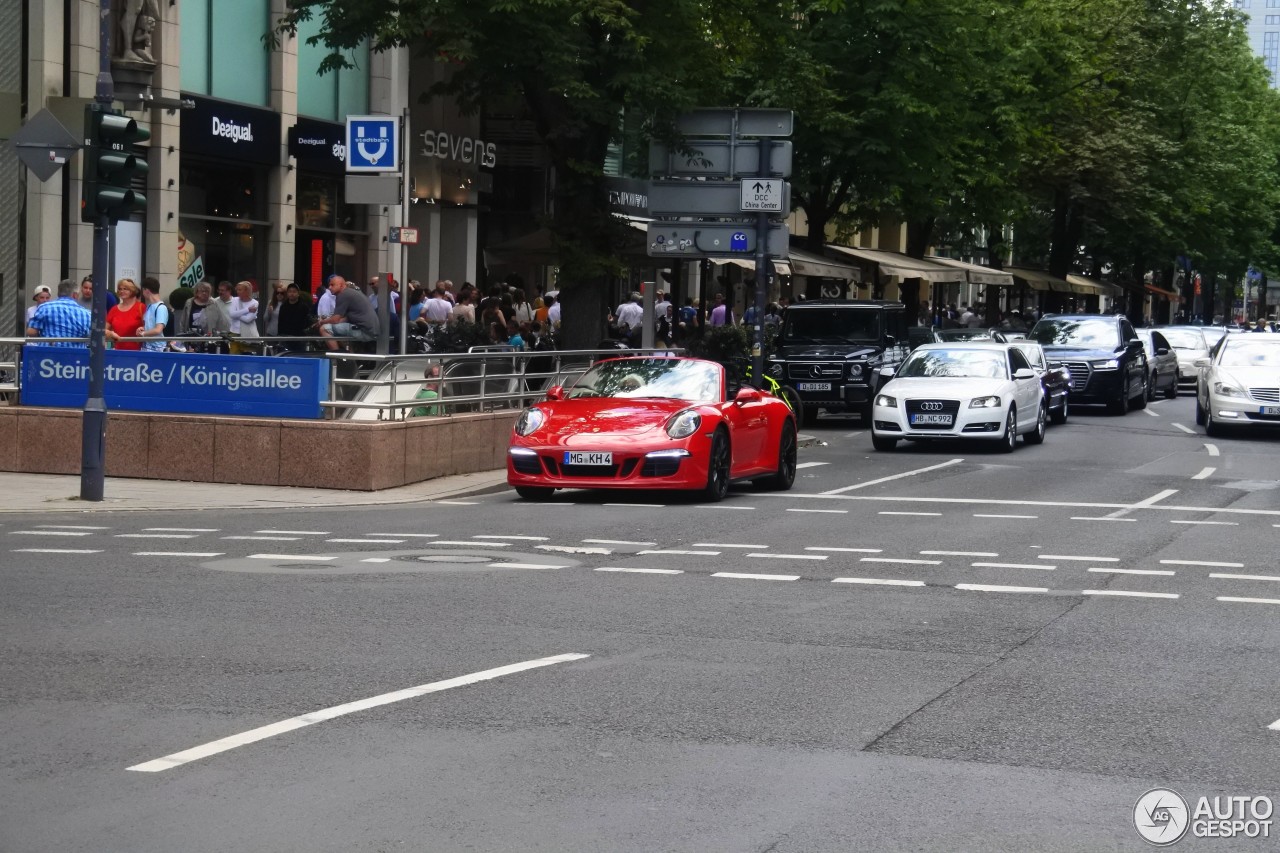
point(231, 131)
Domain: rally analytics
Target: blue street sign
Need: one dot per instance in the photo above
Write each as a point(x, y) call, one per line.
point(373, 143)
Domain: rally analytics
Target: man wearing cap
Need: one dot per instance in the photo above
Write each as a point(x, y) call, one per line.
point(42, 295)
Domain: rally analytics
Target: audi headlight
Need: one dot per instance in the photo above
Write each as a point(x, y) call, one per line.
point(855, 371)
point(992, 402)
point(1222, 389)
point(1109, 364)
point(530, 421)
point(886, 401)
point(683, 424)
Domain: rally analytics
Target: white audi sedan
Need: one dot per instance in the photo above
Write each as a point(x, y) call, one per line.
point(985, 391)
point(1239, 384)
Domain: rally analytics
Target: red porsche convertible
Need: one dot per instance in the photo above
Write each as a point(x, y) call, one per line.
point(652, 423)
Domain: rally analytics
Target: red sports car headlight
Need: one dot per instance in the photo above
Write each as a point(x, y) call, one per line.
point(531, 420)
point(683, 424)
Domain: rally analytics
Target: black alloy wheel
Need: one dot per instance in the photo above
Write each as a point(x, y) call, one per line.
point(535, 493)
point(1152, 384)
point(1036, 436)
point(1200, 413)
point(718, 468)
point(1060, 415)
point(1140, 401)
point(1212, 428)
point(1119, 405)
point(883, 442)
point(1171, 393)
point(782, 479)
point(1009, 440)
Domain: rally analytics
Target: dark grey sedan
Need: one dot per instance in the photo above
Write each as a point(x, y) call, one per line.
point(1162, 362)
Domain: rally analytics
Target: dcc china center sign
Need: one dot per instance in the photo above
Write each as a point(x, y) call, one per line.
point(179, 382)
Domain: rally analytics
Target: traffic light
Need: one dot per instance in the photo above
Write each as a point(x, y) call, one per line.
point(110, 166)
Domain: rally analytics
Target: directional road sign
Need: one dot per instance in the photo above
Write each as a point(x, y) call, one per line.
point(712, 239)
point(373, 143)
point(717, 158)
point(44, 144)
point(751, 122)
point(708, 198)
point(761, 195)
point(404, 235)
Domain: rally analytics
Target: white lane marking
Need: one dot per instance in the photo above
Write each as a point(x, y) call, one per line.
point(1210, 523)
point(178, 553)
point(56, 551)
point(182, 529)
point(1098, 518)
point(376, 560)
point(995, 515)
point(892, 477)
point(1213, 449)
point(1121, 508)
point(1245, 577)
point(987, 587)
point(1276, 724)
point(403, 535)
point(49, 533)
point(750, 577)
point(679, 552)
point(524, 566)
point(572, 549)
point(263, 732)
point(1078, 559)
point(1205, 473)
point(155, 535)
point(458, 503)
point(829, 511)
point(844, 550)
point(1134, 572)
point(810, 465)
point(1210, 563)
point(878, 581)
point(1150, 412)
point(74, 526)
point(469, 544)
point(900, 561)
point(655, 506)
point(1147, 502)
point(367, 541)
point(265, 538)
point(1187, 430)
point(304, 558)
point(960, 553)
point(725, 545)
point(1127, 594)
point(789, 556)
point(522, 538)
point(617, 542)
point(899, 512)
point(296, 532)
point(852, 434)
point(641, 571)
point(1012, 566)
point(722, 506)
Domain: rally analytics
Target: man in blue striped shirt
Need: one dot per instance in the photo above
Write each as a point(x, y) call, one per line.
point(63, 317)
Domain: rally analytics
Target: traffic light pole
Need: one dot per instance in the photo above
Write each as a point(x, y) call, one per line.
point(93, 429)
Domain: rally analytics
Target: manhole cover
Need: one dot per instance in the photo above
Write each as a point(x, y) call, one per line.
point(455, 558)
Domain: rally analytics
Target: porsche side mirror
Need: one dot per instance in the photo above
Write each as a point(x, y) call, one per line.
point(1024, 373)
point(555, 392)
point(747, 395)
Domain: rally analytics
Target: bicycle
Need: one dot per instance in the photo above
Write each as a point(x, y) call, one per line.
point(785, 393)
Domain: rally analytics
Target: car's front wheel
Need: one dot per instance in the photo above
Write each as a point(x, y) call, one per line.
point(1060, 416)
point(782, 479)
point(1036, 436)
point(1140, 401)
point(535, 493)
point(883, 442)
point(1171, 393)
point(1010, 438)
point(1200, 413)
point(1212, 428)
point(718, 468)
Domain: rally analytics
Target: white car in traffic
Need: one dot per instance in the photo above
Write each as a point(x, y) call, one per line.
point(984, 391)
point(1239, 384)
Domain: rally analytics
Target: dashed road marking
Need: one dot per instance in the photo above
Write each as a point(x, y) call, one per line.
point(181, 529)
point(73, 526)
point(264, 538)
point(986, 587)
point(367, 541)
point(878, 581)
point(639, 571)
point(50, 533)
point(900, 561)
point(301, 558)
point(750, 577)
point(294, 532)
point(617, 542)
point(178, 553)
point(1012, 566)
point(1150, 412)
point(788, 556)
point(721, 506)
point(725, 545)
point(376, 560)
point(844, 550)
point(1213, 449)
point(1099, 518)
point(460, 503)
point(900, 512)
point(810, 465)
point(679, 552)
point(522, 538)
point(647, 506)
point(892, 477)
point(468, 543)
point(1210, 563)
point(1187, 430)
point(156, 535)
point(1127, 594)
point(1078, 559)
point(834, 511)
point(1164, 572)
point(574, 549)
point(961, 553)
point(1205, 473)
point(56, 551)
point(1252, 601)
point(1210, 523)
point(999, 515)
point(263, 732)
point(1142, 504)
point(525, 566)
point(1244, 577)
point(403, 535)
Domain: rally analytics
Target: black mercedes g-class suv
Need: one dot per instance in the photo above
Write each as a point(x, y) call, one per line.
point(831, 351)
point(1107, 362)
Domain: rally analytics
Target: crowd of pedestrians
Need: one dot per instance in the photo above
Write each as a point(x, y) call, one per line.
point(675, 326)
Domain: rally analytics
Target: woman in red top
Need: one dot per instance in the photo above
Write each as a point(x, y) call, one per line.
point(124, 319)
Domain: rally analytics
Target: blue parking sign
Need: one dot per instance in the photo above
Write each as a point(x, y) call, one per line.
point(373, 143)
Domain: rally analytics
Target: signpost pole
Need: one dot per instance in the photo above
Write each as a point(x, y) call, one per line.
point(404, 220)
point(762, 268)
point(93, 427)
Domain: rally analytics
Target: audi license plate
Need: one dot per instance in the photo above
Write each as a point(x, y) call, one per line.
point(813, 386)
point(1270, 410)
point(580, 457)
point(937, 420)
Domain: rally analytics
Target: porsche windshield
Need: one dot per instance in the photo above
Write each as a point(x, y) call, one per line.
point(1094, 334)
point(650, 377)
point(956, 363)
point(834, 325)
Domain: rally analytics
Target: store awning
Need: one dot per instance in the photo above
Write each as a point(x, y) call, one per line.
point(1081, 284)
point(800, 262)
point(976, 273)
point(902, 266)
point(1038, 280)
point(1160, 291)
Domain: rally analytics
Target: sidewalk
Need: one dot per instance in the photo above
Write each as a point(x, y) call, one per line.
point(45, 493)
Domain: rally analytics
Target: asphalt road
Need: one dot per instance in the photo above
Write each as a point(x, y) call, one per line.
point(940, 648)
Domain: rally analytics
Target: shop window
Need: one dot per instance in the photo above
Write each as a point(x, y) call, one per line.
point(222, 50)
point(223, 191)
point(229, 251)
point(333, 95)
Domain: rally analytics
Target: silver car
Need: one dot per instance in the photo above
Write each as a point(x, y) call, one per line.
point(1162, 364)
point(1188, 344)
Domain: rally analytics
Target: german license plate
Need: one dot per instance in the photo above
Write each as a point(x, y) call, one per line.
point(1270, 410)
point(582, 457)
point(813, 386)
point(937, 420)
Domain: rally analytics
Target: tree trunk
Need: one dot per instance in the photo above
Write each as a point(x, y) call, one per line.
point(1067, 226)
point(996, 249)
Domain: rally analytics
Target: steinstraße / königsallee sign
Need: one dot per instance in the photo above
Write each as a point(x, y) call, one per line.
point(179, 382)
